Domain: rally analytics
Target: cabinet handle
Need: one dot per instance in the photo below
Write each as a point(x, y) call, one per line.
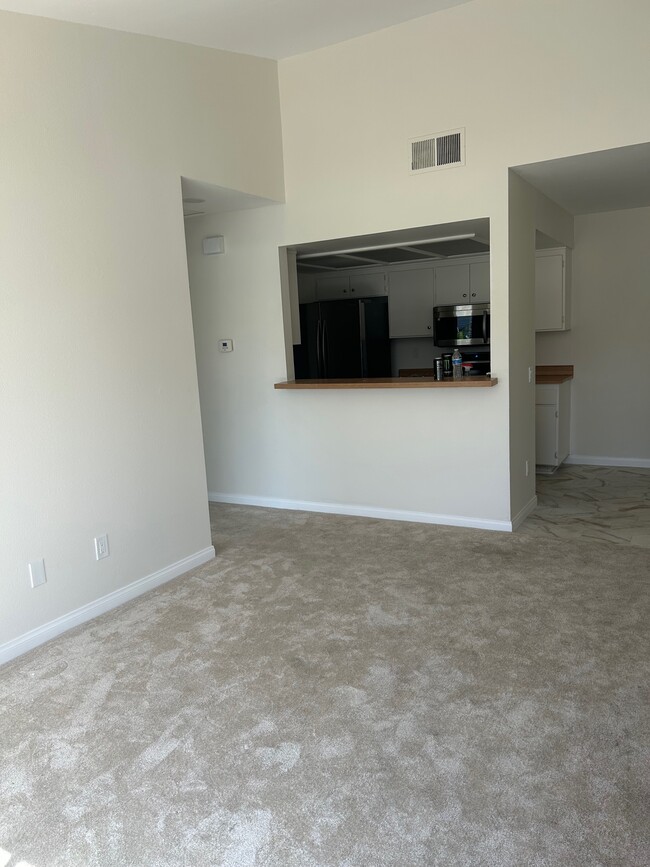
point(428, 327)
point(473, 294)
point(464, 294)
point(351, 290)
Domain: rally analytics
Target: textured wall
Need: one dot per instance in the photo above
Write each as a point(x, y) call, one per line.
point(100, 428)
point(608, 342)
point(528, 82)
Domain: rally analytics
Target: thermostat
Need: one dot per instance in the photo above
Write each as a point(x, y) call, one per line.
point(225, 345)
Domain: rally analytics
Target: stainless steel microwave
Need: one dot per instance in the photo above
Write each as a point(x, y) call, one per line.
point(461, 325)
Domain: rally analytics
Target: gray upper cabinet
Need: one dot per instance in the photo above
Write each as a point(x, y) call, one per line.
point(410, 302)
point(552, 288)
point(368, 285)
point(479, 282)
point(462, 283)
point(413, 289)
point(333, 287)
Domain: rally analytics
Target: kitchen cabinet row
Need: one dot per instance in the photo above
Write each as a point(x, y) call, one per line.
point(414, 289)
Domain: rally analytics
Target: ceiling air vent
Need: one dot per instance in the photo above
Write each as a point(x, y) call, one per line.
point(440, 151)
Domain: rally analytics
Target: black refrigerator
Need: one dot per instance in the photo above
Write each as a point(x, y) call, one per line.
point(343, 339)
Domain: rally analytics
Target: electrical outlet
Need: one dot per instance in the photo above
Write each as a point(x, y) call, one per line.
point(225, 344)
point(37, 573)
point(101, 547)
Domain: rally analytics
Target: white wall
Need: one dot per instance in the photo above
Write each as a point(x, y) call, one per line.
point(608, 343)
point(523, 207)
point(100, 426)
point(526, 79)
point(237, 296)
point(308, 447)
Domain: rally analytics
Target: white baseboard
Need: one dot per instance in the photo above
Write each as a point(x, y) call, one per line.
point(363, 512)
point(521, 516)
point(12, 649)
point(600, 461)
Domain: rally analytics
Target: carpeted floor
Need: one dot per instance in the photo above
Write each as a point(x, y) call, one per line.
point(338, 691)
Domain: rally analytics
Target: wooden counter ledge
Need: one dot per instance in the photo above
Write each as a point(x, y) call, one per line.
point(390, 382)
point(553, 374)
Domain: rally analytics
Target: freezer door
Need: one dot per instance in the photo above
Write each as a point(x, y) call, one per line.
point(340, 339)
point(374, 335)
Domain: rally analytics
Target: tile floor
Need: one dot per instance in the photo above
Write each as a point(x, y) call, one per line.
point(604, 504)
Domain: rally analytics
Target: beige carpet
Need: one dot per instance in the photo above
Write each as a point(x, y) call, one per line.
point(342, 691)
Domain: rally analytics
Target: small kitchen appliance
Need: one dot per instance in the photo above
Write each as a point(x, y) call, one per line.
point(461, 325)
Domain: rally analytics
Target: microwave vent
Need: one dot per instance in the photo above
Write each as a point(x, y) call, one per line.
point(440, 151)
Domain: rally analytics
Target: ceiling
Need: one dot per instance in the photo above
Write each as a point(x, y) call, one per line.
point(405, 245)
point(200, 198)
point(266, 28)
point(611, 180)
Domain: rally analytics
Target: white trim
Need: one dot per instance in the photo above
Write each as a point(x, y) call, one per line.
point(35, 637)
point(521, 516)
point(363, 511)
point(600, 461)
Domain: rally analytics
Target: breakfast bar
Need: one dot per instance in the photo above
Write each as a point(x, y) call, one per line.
point(390, 382)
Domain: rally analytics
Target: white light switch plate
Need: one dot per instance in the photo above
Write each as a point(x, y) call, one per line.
point(37, 573)
point(101, 547)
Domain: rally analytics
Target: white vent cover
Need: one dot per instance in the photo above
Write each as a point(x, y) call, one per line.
point(439, 151)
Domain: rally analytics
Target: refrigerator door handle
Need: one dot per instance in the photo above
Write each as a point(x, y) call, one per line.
point(362, 339)
point(325, 350)
point(319, 363)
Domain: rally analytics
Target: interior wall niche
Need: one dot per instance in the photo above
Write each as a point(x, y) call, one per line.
point(364, 266)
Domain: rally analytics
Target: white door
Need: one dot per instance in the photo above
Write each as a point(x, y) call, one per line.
point(546, 434)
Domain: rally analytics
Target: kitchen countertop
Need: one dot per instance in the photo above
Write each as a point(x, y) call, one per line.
point(553, 374)
point(390, 382)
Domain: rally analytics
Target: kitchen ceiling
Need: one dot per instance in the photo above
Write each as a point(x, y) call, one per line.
point(266, 28)
point(406, 245)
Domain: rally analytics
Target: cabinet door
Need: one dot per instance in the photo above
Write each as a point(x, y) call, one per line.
point(563, 421)
point(452, 285)
point(549, 293)
point(367, 285)
point(306, 288)
point(332, 288)
point(479, 282)
point(546, 434)
point(410, 303)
